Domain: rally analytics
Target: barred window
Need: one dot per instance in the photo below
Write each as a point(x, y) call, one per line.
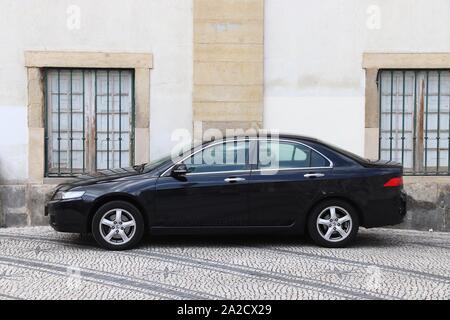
point(89, 122)
point(414, 119)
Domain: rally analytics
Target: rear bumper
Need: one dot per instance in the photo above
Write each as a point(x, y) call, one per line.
point(68, 215)
point(385, 212)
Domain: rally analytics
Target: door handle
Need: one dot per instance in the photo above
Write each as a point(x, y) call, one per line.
point(314, 175)
point(232, 180)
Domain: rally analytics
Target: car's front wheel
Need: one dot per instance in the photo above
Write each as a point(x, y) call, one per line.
point(333, 224)
point(118, 225)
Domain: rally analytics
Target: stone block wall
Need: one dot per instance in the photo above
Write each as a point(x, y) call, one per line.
point(23, 205)
point(228, 64)
point(428, 204)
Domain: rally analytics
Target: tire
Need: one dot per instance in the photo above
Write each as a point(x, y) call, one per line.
point(118, 234)
point(337, 232)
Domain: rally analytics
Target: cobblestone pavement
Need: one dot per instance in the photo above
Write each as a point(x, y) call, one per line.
point(38, 263)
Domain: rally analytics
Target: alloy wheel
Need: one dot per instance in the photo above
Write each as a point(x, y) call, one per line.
point(117, 226)
point(334, 224)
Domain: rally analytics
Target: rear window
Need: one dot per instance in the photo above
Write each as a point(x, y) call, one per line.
point(344, 152)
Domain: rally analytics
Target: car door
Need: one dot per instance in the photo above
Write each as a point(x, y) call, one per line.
point(285, 182)
point(212, 193)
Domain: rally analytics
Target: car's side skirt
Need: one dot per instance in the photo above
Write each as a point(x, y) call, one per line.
point(225, 230)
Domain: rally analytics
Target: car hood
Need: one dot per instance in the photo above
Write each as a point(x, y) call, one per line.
point(101, 177)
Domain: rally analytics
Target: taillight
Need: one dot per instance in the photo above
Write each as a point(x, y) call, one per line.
point(394, 182)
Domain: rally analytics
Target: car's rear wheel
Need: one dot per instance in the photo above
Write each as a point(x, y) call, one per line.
point(333, 224)
point(118, 225)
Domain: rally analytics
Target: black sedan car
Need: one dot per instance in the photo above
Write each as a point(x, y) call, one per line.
point(290, 184)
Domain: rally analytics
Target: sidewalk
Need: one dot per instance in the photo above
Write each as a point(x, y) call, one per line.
point(38, 263)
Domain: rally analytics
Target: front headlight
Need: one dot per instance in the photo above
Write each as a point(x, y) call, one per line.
point(65, 195)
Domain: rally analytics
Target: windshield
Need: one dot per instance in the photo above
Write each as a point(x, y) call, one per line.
point(168, 158)
point(156, 163)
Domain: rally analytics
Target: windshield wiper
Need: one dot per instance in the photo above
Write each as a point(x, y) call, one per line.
point(139, 167)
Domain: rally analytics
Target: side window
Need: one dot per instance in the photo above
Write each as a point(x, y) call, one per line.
point(318, 161)
point(285, 155)
point(227, 156)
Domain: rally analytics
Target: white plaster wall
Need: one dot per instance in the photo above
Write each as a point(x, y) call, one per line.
point(314, 82)
point(162, 27)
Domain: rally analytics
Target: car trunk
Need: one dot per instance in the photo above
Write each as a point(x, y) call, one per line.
point(382, 164)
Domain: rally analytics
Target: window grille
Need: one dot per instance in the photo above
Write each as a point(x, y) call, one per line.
point(89, 120)
point(414, 120)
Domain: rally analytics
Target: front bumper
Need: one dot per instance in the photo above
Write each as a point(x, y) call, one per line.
point(68, 215)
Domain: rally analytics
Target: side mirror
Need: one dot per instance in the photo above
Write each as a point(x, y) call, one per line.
point(179, 169)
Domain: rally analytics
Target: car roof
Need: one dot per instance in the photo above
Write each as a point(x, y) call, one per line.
point(268, 135)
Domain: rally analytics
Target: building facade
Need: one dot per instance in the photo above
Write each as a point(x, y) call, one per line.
point(87, 86)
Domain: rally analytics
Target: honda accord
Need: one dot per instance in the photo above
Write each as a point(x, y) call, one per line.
point(250, 184)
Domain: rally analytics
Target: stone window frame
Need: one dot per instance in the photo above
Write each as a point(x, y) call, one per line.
point(372, 62)
point(36, 61)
